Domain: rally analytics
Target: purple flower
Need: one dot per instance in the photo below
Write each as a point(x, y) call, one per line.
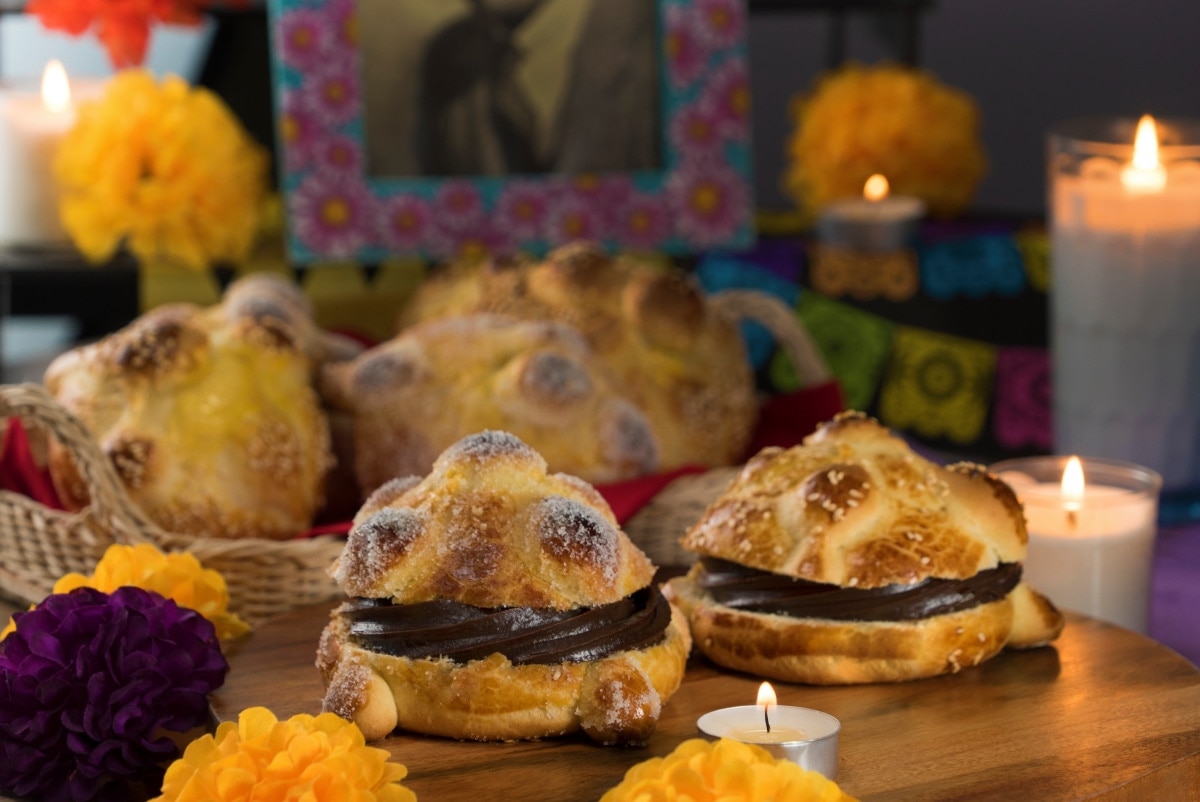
point(521, 209)
point(345, 23)
point(685, 50)
point(304, 38)
point(720, 23)
point(728, 98)
point(332, 93)
point(711, 202)
point(572, 218)
point(695, 130)
point(299, 131)
point(458, 207)
point(339, 154)
point(404, 222)
point(644, 221)
point(332, 213)
point(90, 683)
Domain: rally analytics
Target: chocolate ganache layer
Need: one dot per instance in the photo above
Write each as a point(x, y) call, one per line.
point(524, 635)
point(757, 591)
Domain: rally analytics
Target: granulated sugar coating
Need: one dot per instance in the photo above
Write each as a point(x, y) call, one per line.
point(488, 445)
point(374, 546)
point(575, 533)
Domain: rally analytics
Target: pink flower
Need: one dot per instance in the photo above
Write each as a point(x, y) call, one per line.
point(720, 23)
point(685, 51)
point(333, 94)
point(299, 131)
point(728, 97)
point(340, 154)
point(695, 130)
point(485, 238)
point(458, 206)
point(332, 213)
point(571, 218)
point(644, 221)
point(405, 221)
point(711, 202)
point(304, 39)
point(521, 209)
point(345, 23)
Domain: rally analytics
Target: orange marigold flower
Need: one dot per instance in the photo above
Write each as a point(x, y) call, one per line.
point(902, 122)
point(164, 169)
point(318, 758)
point(123, 26)
point(725, 770)
point(178, 576)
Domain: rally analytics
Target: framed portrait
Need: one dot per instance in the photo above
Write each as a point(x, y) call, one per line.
point(452, 128)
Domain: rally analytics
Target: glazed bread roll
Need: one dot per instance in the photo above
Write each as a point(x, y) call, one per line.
point(675, 357)
point(493, 600)
point(850, 559)
point(208, 415)
point(416, 395)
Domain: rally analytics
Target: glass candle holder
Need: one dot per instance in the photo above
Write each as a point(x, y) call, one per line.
point(1091, 548)
point(1125, 256)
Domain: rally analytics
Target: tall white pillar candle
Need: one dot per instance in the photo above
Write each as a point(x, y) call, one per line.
point(1125, 334)
point(1091, 541)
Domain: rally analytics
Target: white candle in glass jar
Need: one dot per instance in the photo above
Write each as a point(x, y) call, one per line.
point(32, 125)
point(1125, 237)
point(1091, 525)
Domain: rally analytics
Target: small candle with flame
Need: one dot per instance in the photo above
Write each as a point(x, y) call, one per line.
point(1091, 526)
point(804, 736)
point(1125, 247)
point(877, 222)
point(31, 126)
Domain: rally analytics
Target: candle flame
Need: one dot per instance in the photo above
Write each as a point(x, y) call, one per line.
point(766, 695)
point(1145, 172)
point(1072, 485)
point(876, 188)
point(56, 89)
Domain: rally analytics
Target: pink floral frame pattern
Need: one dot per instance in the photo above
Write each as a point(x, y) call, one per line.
point(702, 198)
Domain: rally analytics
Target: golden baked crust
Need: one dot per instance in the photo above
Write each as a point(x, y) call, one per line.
point(826, 652)
point(675, 357)
point(491, 528)
point(414, 396)
point(208, 415)
point(854, 506)
point(614, 700)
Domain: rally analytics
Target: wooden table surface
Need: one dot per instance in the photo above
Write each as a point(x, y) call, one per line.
point(1104, 713)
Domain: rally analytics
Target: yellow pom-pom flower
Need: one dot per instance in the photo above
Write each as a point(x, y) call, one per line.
point(315, 758)
point(178, 576)
point(164, 169)
point(725, 770)
point(902, 122)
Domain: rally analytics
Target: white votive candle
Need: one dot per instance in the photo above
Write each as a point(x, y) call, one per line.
point(878, 222)
point(1091, 538)
point(1125, 237)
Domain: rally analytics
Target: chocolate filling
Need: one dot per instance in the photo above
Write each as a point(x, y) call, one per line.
point(757, 591)
point(524, 635)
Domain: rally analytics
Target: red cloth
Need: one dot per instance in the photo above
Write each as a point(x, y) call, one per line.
point(784, 421)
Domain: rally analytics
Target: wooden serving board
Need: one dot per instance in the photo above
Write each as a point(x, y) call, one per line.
point(1104, 713)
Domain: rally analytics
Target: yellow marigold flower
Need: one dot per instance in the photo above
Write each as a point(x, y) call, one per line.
point(725, 770)
point(163, 168)
point(178, 576)
point(314, 758)
point(898, 121)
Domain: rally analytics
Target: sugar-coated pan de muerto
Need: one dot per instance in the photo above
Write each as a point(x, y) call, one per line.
point(208, 414)
point(850, 559)
point(492, 600)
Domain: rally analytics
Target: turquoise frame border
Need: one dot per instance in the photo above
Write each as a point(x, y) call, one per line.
point(703, 198)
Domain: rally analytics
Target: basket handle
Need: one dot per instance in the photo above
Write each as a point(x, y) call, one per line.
point(31, 404)
point(783, 324)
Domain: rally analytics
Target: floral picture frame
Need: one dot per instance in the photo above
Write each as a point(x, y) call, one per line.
point(700, 197)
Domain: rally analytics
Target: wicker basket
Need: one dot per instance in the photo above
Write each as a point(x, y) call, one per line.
point(38, 544)
point(657, 527)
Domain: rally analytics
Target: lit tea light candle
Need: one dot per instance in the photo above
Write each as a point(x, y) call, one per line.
point(31, 127)
point(878, 221)
point(1091, 530)
point(804, 736)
